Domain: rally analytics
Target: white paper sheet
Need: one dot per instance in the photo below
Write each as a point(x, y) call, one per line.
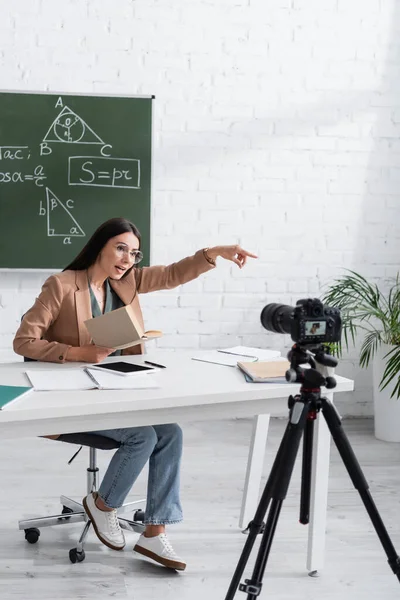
point(219, 358)
point(60, 379)
point(249, 352)
point(79, 379)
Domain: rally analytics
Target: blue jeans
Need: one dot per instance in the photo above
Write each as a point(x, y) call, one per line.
point(161, 445)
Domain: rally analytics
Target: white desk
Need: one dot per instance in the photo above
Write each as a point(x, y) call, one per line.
point(189, 391)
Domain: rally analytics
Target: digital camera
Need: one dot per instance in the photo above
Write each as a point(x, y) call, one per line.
point(309, 322)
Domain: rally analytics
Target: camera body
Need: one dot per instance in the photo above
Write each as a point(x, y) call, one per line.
point(309, 322)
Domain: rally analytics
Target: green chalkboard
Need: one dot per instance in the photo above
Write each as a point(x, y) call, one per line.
point(67, 164)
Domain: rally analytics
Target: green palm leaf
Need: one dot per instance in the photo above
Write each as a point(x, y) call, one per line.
point(366, 310)
point(392, 372)
point(369, 347)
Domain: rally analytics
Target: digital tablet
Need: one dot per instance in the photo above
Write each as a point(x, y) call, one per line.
point(123, 368)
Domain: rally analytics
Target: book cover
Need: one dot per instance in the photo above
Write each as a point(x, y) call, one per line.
point(274, 380)
point(9, 393)
point(119, 329)
point(265, 370)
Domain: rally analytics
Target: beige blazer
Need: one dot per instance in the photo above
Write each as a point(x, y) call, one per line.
point(56, 320)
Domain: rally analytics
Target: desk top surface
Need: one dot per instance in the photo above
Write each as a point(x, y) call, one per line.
point(184, 384)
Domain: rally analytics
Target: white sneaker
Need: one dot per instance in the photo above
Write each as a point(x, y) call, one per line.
point(159, 549)
point(105, 523)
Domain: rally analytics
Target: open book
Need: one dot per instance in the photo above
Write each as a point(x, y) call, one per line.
point(87, 379)
point(119, 329)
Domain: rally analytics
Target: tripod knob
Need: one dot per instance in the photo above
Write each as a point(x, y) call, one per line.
point(291, 376)
point(330, 383)
point(292, 401)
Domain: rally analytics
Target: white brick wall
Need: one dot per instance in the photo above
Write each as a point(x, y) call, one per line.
point(276, 126)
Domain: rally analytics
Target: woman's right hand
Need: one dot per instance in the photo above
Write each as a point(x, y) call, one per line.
point(89, 353)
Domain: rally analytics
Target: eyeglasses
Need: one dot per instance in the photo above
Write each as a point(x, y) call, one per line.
point(135, 255)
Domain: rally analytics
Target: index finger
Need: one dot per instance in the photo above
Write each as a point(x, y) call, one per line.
point(246, 253)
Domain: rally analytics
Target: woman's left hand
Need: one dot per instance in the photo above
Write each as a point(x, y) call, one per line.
point(234, 253)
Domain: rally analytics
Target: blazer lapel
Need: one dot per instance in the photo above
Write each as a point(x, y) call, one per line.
point(82, 306)
point(124, 290)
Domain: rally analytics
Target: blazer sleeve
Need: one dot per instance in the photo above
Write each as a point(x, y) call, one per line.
point(152, 279)
point(37, 320)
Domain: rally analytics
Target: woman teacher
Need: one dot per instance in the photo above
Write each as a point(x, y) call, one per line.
point(103, 277)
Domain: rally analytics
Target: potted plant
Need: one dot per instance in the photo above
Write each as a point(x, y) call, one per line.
point(374, 314)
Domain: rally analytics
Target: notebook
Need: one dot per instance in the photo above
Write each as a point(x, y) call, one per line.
point(265, 371)
point(11, 393)
point(274, 380)
point(87, 379)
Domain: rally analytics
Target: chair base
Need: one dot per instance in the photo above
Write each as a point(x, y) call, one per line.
point(76, 514)
point(73, 512)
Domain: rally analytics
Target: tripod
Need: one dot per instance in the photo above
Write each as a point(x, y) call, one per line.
point(303, 411)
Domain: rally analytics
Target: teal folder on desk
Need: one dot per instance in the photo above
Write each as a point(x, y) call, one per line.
point(9, 393)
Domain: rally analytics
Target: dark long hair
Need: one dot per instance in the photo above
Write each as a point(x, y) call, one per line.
point(89, 253)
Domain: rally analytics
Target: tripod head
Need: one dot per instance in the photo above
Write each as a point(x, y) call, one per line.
point(319, 373)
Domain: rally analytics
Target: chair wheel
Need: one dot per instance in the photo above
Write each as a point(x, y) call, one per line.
point(32, 535)
point(65, 511)
point(75, 556)
point(138, 515)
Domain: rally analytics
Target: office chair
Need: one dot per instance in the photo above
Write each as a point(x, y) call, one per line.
point(72, 511)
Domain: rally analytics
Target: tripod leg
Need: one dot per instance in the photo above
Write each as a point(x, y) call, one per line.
point(276, 488)
point(253, 586)
point(257, 522)
point(306, 469)
point(360, 483)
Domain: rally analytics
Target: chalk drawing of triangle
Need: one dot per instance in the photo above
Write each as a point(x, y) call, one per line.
point(56, 211)
point(70, 128)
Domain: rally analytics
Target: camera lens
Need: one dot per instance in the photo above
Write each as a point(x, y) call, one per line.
point(277, 318)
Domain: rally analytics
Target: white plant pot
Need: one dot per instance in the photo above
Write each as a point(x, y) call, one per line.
point(386, 409)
